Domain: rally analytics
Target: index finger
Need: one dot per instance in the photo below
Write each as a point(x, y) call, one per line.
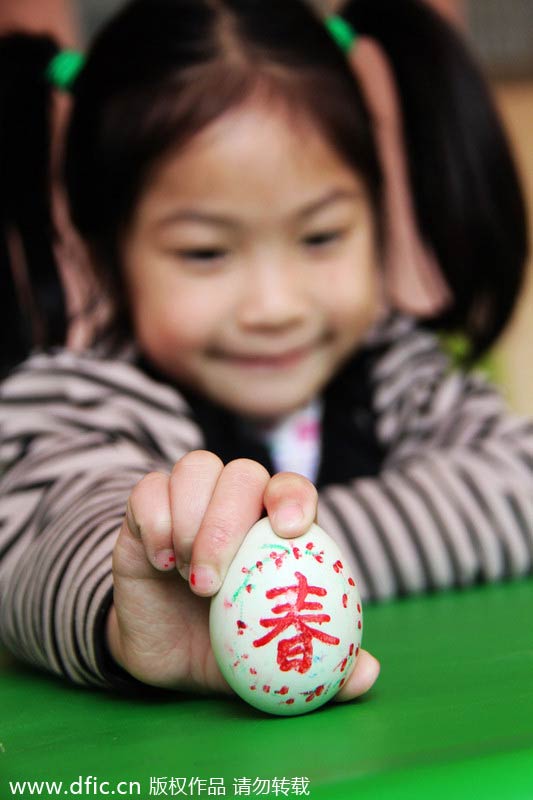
point(236, 504)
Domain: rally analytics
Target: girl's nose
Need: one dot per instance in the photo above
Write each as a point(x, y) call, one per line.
point(273, 296)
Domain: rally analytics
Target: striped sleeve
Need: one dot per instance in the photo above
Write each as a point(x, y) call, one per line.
point(76, 434)
point(453, 504)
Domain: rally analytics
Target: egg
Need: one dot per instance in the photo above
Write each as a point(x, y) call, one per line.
point(286, 624)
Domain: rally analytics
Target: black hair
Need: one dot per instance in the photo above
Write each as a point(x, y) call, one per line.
point(467, 196)
point(162, 70)
point(32, 302)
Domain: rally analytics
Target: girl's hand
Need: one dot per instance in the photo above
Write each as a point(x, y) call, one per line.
point(176, 543)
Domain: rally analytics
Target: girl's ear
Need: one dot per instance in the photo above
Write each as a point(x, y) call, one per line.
point(413, 280)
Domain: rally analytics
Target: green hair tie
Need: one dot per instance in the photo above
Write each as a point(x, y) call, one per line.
point(64, 68)
point(342, 32)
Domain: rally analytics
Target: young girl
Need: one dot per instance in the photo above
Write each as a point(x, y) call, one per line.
point(222, 170)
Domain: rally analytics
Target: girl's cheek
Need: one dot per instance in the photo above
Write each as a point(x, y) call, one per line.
point(360, 302)
point(178, 320)
point(181, 326)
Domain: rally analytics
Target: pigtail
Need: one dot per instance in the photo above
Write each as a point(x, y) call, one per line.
point(31, 294)
point(466, 193)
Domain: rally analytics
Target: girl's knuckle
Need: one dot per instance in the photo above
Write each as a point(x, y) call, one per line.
point(151, 518)
point(145, 487)
point(196, 461)
point(250, 473)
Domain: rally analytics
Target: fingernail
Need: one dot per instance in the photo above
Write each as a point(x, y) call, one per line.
point(288, 517)
point(204, 580)
point(184, 571)
point(165, 560)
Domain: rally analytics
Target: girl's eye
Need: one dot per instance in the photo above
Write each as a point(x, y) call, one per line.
point(205, 254)
point(322, 239)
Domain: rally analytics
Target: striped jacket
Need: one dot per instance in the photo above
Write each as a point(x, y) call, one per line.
point(426, 481)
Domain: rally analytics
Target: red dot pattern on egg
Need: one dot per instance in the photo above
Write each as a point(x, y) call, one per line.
point(279, 559)
point(315, 693)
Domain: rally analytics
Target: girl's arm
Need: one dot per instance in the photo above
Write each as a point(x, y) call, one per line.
point(454, 502)
point(76, 435)
point(82, 442)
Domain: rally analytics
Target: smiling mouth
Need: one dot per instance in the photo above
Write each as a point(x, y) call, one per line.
point(288, 359)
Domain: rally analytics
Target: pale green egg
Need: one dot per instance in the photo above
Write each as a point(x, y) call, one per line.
point(286, 624)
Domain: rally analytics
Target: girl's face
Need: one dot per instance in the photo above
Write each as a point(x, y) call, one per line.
point(251, 263)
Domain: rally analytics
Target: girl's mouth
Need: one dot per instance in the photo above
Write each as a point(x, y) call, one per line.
point(284, 360)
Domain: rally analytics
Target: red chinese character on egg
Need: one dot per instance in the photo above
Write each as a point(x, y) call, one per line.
point(297, 652)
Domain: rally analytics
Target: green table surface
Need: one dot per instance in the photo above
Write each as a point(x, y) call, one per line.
point(451, 716)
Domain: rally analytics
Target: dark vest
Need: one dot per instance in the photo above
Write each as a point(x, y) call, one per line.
point(349, 445)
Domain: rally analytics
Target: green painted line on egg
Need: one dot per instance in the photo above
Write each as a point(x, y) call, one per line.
point(275, 547)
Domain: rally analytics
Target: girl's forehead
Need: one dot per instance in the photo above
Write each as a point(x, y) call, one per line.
point(256, 144)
